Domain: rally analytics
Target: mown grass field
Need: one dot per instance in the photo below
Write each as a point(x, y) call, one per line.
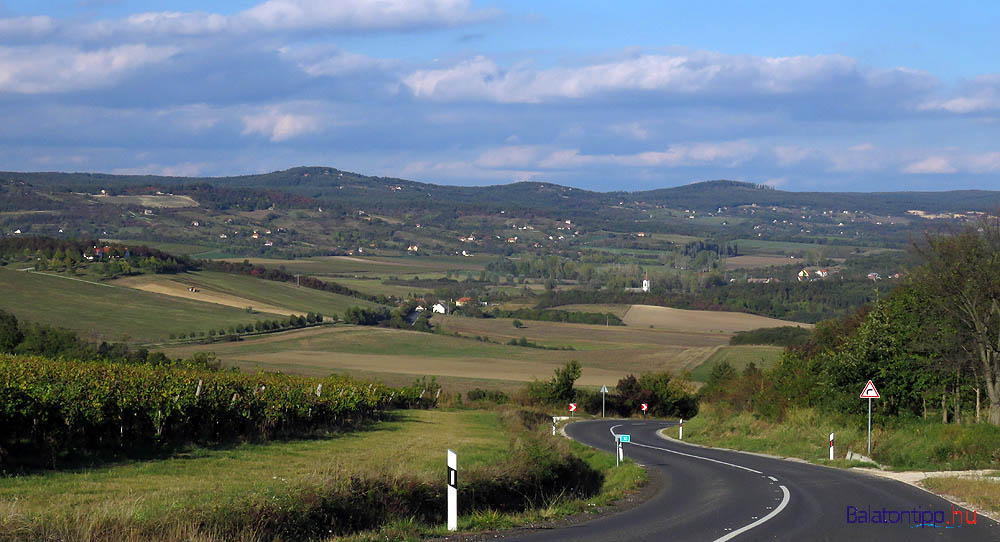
point(242, 291)
point(739, 357)
point(107, 312)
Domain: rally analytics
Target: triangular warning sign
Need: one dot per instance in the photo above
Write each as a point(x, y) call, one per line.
point(870, 392)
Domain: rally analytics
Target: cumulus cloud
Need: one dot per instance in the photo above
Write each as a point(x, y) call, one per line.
point(49, 69)
point(696, 73)
point(277, 125)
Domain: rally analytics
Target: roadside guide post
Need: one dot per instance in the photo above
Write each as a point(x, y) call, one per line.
point(680, 431)
point(452, 490)
point(831, 446)
point(604, 389)
point(870, 393)
point(620, 456)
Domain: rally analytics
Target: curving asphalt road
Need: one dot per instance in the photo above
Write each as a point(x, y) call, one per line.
point(717, 495)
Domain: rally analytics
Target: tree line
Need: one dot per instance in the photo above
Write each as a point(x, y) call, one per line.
point(931, 343)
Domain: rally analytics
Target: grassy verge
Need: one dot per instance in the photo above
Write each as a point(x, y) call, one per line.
point(387, 477)
point(618, 483)
point(982, 493)
point(804, 433)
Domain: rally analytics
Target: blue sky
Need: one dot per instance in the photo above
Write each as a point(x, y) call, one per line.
point(803, 96)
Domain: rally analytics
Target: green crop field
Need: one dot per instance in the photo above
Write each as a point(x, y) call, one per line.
point(100, 311)
point(739, 357)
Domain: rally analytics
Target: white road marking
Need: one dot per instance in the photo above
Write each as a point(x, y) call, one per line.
point(784, 502)
point(784, 490)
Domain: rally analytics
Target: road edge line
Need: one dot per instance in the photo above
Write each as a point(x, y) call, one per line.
point(867, 472)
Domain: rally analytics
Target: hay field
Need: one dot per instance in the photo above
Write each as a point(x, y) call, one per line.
point(174, 288)
point(700, 321)
point(241, 291)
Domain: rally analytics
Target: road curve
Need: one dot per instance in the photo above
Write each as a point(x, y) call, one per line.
point(716, 495)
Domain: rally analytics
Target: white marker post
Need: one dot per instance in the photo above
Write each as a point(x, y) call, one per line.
point(604, 389)
point(680, 431)
point(870, 393)
point(831, 446)
point(452, 490)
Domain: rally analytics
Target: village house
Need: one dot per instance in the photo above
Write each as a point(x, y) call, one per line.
point(463, 301)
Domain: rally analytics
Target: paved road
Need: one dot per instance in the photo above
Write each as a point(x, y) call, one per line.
point(715, 495)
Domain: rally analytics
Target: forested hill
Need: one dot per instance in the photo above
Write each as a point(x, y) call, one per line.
point(330, 184)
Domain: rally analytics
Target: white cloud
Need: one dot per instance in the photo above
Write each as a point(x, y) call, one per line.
point(280, 126)
point(981, 94)
point(26, 27)
point(509, 157)
point(632, 130)
point(931, 164)
point(789, 155)
point(278, 16)
point(353, 15)
point(696, 73)
point(48, 69)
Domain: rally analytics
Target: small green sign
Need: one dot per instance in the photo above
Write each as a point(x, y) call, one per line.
point(624, 438)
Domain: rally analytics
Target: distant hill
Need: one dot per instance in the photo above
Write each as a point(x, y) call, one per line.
point(331, 184)
point(711, 195)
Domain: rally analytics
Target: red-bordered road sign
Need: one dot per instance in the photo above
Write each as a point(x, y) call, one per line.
point(870, 392)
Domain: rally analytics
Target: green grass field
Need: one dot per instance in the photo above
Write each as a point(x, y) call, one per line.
point(374, 286)
point(199, 483)
point(280, 294)
point(189, 249)
point(99, 311)
point(739, 357)
point(380, 266)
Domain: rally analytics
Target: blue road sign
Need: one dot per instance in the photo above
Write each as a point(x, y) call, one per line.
point(624, 438)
